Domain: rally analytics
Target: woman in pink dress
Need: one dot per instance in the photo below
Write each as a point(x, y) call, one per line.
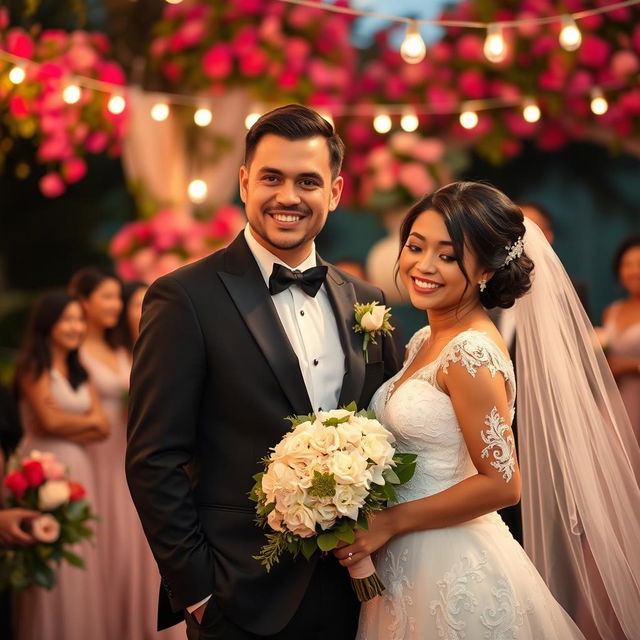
point(130, 572)
point(622, 325)
point(61, 414)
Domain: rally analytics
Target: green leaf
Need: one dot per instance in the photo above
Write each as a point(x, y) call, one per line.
point(345, 535)
point(309, 546)
point(405, 472)
point(73, 559)
point(327, 541)
point(390, 476)
point(44, 576)
point(390, 493)
point(352, 406)
point(363, 522)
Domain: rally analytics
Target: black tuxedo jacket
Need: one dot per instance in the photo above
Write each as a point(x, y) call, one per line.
point(213, 379)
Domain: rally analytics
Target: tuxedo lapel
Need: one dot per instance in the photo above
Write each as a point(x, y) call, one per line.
point(245, 284)
point(342, 296)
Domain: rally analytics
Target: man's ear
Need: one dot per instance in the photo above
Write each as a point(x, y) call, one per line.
point(243, 180)
point(336, 192)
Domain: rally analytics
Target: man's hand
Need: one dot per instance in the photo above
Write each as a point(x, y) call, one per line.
point(10, 531)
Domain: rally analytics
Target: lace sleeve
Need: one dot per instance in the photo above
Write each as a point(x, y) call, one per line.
point(417, 340)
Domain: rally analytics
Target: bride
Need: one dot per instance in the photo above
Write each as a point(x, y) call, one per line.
point(451, 567)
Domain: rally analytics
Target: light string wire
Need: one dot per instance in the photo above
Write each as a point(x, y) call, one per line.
point(462, 23)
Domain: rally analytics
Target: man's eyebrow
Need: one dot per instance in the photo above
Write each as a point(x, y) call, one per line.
point(305, 174)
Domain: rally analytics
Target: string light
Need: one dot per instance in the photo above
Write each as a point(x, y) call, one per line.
point(413, 50)
point(160, 111)
point(203, 117)
point(409, 121)
point(530, 110)
point(173, 1)
point(197, 191)
point(17, 74)
point(599, 104)
point(71, 94)
point(116, 104)
point(382, 123)
point(251, 119)
point(570, 37)
point(495, 48)
point(468, 119)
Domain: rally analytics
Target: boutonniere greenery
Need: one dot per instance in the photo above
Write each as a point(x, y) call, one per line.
point(372, 320)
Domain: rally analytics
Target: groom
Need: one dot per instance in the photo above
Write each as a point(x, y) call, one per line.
point(229, 347)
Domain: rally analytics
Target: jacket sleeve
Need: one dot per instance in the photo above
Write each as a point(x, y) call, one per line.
point(166, 387)
point(389, 351)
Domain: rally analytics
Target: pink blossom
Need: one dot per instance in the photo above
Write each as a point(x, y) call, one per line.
point(81, 58)
point(126, 270)
point(630, 101)
point(51, 71)
point(589, 23)
point(80, 132)
point(55, 39)
point(580, 82)
point(358, 133)
point(472, 83)
point(594, 51)
point(552, 137)
point(505, 90)
point(217, 62)
point(141, 231)
point(385, 179)
point(271, 31)
point(470, 48)
point(518, 125)
point(245, 41)
point(97, 142)
point(45, 528)
point(249, 7)
point(194, 240)
point(302, 17)
point(166, 263)
point(111, 72)
point(335, 31)
point(159, 46)
point(403, 143)
point(635, 38)
point(441, 51)
point(193, 32)
point(415, 178)
point(52, 123)
point(253, 63)
point(51, 185)
point(624, 63)
point(143, 261)
point(528, 29)
point(414, 74)
point(429, 150)
point(511, 147)
point(320, 99)
point(100, 42)
point(55, 147)
point(20, 44)
point(121, 243)
point(441, 98)
point(542, 45)
point(4, 17)
point(74, 169)
point(320, 74)
point(551, 81)
point(380, 157)
point(288, 79)
point(395, 88)
point(296, 49)
point(172, 70)
point(18, 107)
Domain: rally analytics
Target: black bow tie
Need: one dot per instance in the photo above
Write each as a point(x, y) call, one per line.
point(309, 280)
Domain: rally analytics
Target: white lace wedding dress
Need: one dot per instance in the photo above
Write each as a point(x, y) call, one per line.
point(473, 580)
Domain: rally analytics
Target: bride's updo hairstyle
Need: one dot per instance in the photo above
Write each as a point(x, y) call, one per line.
point(483, 219)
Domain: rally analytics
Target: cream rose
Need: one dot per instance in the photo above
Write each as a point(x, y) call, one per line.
point(322, 416)
point(275, 520)
point(279, 475)
point(374, 319)
point(350, 433)
point(299, 520)
point(325, 513)
point(52, 494)
point(348, 500)
point(375, 447)
point(349, 468)
point(45, 528)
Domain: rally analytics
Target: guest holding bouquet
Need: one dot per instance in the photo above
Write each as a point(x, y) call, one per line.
point(60, 414)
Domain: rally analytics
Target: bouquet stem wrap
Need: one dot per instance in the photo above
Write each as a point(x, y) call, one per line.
point(365, 580)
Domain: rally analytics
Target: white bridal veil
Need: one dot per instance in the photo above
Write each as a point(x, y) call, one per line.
point(579, 458)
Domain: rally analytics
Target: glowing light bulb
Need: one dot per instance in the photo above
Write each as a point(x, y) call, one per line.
point(203, 117)
point(409, 122)
point(116, 104)
point(531, 111)
point(468, 119)
point(71, 93)
point(173, 1)
point(495, 48)
point(160, 111)
point(570, 37)
point(382, 123)
point(413, 50)
point(599, 104)
point(197, 191)
point(17, 74)
point(251, 119)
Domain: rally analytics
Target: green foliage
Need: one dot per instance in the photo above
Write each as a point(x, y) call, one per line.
point(323, 485)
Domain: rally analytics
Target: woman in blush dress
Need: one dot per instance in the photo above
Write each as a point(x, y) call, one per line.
point(61, 414)
point(622, 328)
point(129, 570)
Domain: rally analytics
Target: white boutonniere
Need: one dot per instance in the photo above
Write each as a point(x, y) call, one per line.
point(372, 320)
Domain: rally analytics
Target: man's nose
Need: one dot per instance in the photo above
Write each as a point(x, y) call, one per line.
point(287, 193)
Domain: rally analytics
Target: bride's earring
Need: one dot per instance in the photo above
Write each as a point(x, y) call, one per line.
point(483, 284)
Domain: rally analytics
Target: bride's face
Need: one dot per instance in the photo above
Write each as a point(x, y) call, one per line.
point(430, 270)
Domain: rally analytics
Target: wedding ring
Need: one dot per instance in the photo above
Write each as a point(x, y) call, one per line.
point(350, 554)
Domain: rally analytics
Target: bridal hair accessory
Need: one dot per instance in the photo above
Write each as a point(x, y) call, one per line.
point(514, 251)
point(483, 284)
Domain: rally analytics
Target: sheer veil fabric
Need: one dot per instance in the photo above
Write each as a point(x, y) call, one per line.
point(579, 458)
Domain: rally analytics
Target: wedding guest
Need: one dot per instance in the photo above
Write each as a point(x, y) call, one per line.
point(128, 569)
point(129, 323)
point(61, 413)
point(621, 320)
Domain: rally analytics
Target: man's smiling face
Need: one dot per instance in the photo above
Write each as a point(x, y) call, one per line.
point(288, 191)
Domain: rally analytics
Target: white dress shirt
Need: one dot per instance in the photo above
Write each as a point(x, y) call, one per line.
point(311, 327)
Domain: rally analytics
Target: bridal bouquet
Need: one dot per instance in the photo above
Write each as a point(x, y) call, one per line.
point(41, 484)
point(321, 482)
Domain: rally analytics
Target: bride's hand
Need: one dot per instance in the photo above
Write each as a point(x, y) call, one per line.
point(380, 531)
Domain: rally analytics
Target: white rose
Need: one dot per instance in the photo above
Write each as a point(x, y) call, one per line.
point(374, 319)
point(287, 498)
point(370, 426)
point(299, 520)
point(376, 447)
point(52, 494)
point(275, 520)
point(295, 447)
point(349, 468)
point(349, 433)
point(325, 513)
point(279, 476)
point(334, 413)
point(349, 499)
point(325, 439)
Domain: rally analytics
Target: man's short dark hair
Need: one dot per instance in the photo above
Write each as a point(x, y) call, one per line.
point(295, 122)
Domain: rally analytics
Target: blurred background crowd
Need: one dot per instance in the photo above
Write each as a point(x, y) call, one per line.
point(120, 139)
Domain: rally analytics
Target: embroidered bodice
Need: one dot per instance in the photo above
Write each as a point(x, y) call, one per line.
point(421, 415)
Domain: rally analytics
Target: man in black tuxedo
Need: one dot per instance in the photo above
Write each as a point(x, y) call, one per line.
point(229, 346)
